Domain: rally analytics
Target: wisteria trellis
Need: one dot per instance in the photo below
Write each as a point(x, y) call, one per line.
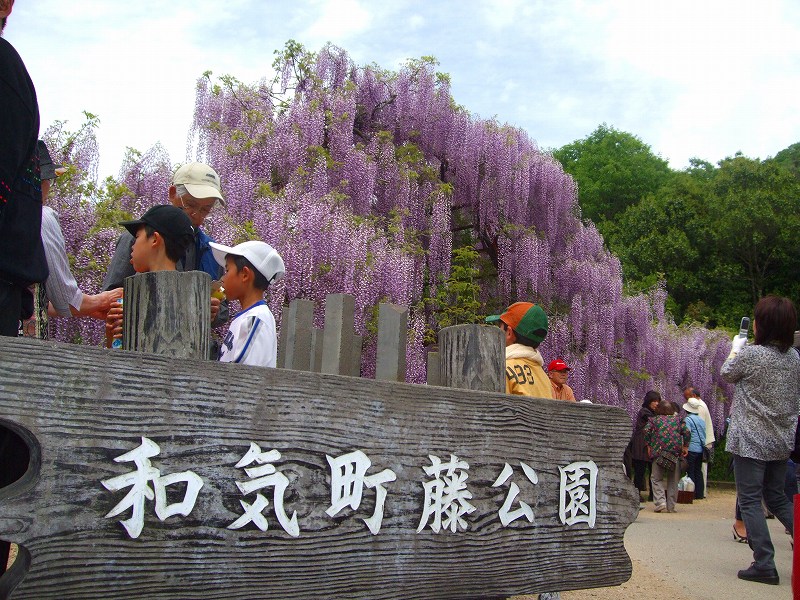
point(355, 179)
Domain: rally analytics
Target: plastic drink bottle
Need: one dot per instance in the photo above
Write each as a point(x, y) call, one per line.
point(117, 342)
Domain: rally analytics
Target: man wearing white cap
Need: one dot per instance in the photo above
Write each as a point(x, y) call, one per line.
point(689, 393)
point(195, 189)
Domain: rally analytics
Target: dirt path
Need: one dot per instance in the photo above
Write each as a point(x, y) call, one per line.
point(691, 555)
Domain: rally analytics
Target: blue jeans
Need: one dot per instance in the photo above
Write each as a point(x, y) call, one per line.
point(790, 487)
point(756, 479)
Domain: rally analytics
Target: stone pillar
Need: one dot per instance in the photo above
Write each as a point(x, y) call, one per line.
point(280, 361)
point(299, 325)
point(338, 336)
point(316, 349)
point(434, 371)
point(392, 340)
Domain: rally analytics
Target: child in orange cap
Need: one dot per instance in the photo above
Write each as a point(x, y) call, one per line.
point(525, 327)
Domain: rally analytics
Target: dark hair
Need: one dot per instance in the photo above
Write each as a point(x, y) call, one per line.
point(776, 320)
point(175, 248)
point(650, 397)
point(665, 407)
point(259, 281)
point(521, 339)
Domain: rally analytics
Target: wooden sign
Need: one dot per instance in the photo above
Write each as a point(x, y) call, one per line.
point(154, 477)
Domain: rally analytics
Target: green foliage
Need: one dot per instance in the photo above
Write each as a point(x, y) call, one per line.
point(719, 236)
point(108, 208)
point(720, 469)
point(614, 170)
point(757, 216)
point(789, 158)
point(456, 301)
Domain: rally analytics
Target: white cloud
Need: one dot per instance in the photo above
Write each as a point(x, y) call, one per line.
point(338, 21)
point(690, 78)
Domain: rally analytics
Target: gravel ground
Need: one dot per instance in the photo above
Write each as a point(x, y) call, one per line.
point(691, 555)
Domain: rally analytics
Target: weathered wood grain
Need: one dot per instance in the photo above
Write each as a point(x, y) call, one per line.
point(168, 313)
point(472, 357)
point(83, 407)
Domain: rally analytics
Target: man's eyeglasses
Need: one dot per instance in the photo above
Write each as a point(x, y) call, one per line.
point(193, 208)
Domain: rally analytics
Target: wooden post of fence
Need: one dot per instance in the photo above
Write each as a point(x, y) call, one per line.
point(434, 371)
point(472, 357)
point(298, 322)
point(390, 363)
point(338, 336)
point(168, 313)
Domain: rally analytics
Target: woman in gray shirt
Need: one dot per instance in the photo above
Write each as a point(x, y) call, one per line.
point(766, 403)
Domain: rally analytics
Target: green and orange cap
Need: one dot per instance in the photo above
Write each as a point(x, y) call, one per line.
point(525, 318)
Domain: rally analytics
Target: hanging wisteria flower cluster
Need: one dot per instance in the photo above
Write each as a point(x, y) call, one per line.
point(359, 177)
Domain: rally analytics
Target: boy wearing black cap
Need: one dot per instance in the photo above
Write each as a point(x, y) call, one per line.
point(249, 269)
point(161, 237)
point(525, 327)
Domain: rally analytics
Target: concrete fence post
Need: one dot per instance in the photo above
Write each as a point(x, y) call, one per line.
point(390, 364)
point(299, 325)
point(338, 335)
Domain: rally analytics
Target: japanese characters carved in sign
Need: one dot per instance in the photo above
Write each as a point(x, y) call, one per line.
point(150, 477)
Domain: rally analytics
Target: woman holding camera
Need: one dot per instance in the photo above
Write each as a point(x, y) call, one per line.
point(766, 402)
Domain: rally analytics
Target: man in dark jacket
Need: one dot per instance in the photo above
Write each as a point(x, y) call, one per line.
point(22, 260)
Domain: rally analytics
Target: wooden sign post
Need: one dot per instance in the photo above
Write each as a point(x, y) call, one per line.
point(168, 312)
point(472, 357)
point(160, 478)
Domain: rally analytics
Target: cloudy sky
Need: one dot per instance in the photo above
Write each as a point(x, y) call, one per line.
point(703, 78)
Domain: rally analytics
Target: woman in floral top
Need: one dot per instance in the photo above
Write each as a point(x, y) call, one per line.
point(665, 432)
point(766, 402)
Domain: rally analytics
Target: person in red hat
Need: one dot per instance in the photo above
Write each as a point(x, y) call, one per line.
point(525, 327)
point(557, 372)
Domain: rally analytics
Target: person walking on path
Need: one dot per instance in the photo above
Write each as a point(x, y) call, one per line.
point(689, 393)
point(639, 454)
point(697, 429)
point(667, 437)
point(766, 402)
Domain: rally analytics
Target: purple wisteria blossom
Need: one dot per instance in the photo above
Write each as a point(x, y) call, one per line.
point(355, 175)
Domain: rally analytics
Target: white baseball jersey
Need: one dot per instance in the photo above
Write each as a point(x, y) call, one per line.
point(251, 338)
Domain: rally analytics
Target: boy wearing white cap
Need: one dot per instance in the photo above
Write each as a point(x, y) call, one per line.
point(249, 269)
